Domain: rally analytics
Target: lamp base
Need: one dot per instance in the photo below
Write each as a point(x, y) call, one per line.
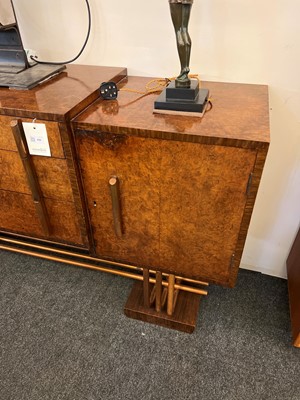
point(187, 100)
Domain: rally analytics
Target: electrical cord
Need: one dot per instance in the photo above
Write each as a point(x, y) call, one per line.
point(34, 58)
point(156, 86)
point(159, 85)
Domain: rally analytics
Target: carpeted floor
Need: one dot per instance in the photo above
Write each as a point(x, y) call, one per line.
point(64, 336)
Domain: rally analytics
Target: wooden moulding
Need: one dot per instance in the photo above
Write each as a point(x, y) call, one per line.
point(184, 317)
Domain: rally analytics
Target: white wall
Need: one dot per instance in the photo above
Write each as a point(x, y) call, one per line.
point(6, 13)
point(233, 40)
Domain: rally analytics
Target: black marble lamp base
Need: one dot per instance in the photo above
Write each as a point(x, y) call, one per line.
point(191, 99)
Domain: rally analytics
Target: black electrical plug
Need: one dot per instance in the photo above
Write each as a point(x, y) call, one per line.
point(108, 90)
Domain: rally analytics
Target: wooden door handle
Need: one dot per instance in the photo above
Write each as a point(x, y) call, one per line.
point(116, 205)
point(20, 139)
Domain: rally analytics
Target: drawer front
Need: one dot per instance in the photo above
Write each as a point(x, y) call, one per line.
point(52, 174)
point(7, 141)
point(203, 196)
point(18, 214)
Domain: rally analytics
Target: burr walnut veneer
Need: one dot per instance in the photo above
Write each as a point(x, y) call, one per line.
point(164, 199)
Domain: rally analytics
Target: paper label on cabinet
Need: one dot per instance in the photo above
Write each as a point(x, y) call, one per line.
point(37, 139)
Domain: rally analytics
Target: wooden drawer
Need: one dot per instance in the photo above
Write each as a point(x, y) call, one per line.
point(52, 175)
point(7, 141)
point(18, 214)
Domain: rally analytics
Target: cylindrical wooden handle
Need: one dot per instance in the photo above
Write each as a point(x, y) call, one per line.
point(116, 205)
point(20, 139)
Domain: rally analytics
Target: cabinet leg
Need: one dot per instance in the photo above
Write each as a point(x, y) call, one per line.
point(158, 291)
point(297, 341)
point(160, 301)
point(146, 287)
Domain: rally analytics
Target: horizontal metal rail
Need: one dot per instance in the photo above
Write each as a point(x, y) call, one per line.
point(134, 274)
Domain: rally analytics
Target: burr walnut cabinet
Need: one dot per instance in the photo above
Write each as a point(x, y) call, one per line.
point(186, 185)
point(172, 194)
point(163, 199)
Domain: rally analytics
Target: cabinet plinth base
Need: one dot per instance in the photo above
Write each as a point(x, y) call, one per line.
point(183, 319)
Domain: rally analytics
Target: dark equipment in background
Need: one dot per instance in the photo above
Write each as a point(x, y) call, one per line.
point(15, 70)
point(13, 58)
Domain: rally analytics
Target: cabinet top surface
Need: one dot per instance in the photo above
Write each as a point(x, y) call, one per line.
point(240, 112)
point(71, 90)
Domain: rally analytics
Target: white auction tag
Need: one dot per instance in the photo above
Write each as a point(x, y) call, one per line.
point(37, 139)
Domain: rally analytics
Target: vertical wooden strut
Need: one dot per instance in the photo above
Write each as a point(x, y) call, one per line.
point(20, 139)
point(146, 287)
point(170, 304)
point(158, 294)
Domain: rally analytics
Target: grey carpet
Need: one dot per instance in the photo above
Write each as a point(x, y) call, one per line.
point(64, 336)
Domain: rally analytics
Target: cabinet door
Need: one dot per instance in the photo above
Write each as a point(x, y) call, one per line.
point(203, 196)
point(135, 163)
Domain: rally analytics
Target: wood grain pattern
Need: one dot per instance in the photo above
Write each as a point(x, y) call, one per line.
point(135, 165)
point(62, 97)
point(57, 100)
point(31, 176)
point(18, 214)
point(203, 194)
point(252, 193)
point(194, 203)
point(239, 117)
point(293, 271)
point(201, 209)
point(184, 318)
point(76, 184)
point(7, 142)
point(52, 175)
point(176, 173)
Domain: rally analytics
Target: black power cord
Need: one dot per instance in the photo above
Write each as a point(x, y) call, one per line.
point(34, 58)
